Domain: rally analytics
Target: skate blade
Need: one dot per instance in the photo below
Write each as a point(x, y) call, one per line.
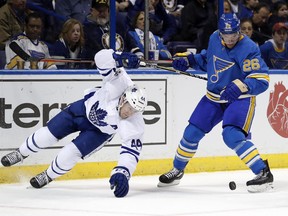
point(260, 188)
point(175, 182)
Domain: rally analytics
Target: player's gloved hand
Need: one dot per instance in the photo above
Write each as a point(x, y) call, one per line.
point(233, 90)
point(182, 61)
point(126, 59)
point(119, 181)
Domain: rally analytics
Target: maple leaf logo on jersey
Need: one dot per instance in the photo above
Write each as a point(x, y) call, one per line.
point(97, 115)
point(220, 65)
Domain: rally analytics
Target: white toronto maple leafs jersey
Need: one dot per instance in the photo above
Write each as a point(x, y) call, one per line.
point(101, 109)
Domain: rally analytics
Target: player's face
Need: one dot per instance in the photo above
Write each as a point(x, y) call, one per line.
point(230, 39)
point(126, 111)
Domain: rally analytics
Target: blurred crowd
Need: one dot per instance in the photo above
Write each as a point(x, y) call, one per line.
point(77, 29)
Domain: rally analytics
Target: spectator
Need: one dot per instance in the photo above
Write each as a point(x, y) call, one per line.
point(246, 27)
point(77, 9)
point(70, 43)
point(275, 51)
point(196, 18)
point(154, 41)
point(123, 5)
point(161, 23)
point(96, 31)
point(12, 16)
point(174, 8)
point(29, 42)
point(246, 9)
point(50, 19)
point(261, 30)
point(279, 13)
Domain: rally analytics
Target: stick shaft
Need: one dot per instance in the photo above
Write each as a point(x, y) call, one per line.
point(67, 60)
point(181, 72)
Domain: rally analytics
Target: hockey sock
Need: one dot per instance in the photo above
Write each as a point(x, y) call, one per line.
point(40, 139)
point(187, 146)
point(65, 161)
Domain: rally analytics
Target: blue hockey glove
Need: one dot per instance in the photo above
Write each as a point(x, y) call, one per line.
point(126, 59)
point(119, 180)
point(182, 61)
point(233, 90)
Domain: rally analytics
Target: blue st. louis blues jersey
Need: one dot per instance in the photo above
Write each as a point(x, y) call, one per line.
point(223, 65)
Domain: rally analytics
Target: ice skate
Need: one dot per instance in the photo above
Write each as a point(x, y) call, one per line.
point(262, 182)
point(170, 178)
point(12, 158)
point(40, 180)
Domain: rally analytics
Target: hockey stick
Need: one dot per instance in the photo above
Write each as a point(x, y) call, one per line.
point(180, 72)
point(26, 57)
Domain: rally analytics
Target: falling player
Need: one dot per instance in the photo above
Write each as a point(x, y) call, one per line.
point(236, 74)
point(117, 106)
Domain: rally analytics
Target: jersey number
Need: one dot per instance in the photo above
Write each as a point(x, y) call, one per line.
point(252, 64)
point(136, 144)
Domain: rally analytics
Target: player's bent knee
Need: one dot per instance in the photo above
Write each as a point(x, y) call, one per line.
point(193, 134)
point(232, 136)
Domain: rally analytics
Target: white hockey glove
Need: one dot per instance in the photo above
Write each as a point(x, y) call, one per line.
point(119, 180)
point(233, 90)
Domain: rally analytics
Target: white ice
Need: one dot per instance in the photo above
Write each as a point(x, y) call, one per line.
point(203, 194)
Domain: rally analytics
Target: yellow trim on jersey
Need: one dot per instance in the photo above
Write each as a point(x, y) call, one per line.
point(13, 63)
point(259, 76)
point(250, 115)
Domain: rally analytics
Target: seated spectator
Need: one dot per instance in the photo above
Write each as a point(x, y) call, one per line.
point(50, 19)
point(96, 31)
point(246, 27)
point(174, 8)
point(161, 23)
point(246, 9)
point(154, 41)
point(29, 43)
point(12, 16)
point(275, 51)
point(70, 43)
point(261, 30)
point(77, 9)
point(279, 13)
point(196, 18)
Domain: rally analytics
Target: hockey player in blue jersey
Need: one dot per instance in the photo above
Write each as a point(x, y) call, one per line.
point(236, 75)
point(115, 107)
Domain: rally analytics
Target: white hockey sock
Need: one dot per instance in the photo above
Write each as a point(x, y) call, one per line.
point(65, 161)
point(40, 139)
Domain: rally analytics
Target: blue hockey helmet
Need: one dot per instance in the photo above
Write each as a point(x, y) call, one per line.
point(229, 23)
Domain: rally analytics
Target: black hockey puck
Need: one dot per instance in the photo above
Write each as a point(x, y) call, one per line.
point(232, 185)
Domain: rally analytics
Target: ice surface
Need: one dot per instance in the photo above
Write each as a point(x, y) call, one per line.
point(198, 194)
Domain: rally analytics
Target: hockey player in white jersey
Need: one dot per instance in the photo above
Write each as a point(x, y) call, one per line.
point(115, 107)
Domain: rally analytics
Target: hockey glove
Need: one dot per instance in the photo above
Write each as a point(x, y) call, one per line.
point(182, 61)
point(119, 180)
point(126, 59)
point(233, 90)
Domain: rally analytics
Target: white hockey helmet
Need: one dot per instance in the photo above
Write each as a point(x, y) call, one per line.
point(136, 97)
